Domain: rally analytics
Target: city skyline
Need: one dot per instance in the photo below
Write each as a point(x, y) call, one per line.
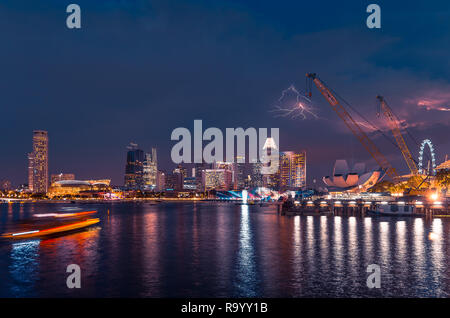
point(223, 156)
point(219, 69)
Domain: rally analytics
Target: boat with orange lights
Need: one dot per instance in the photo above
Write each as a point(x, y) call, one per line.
point(53, 230)
point(51, 224)
point(64, 215)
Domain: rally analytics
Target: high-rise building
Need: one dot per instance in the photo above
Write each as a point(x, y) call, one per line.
point(292, 170)
point(216, 179)
point(160, 181)
point(61, 177)
point(181, 169)
point(239, 173)
point(175, 180)
point(255, 178)
point(38, 163)
point(30, 171)
point(199, 168)
point(134, 169)
point(150, 170)
point(269, 160)
point(229, 166)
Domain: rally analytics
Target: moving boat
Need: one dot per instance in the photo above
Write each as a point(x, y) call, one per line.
point(39, 233)
point(50, 224)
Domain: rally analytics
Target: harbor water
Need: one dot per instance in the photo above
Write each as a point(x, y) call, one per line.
point(213, 249)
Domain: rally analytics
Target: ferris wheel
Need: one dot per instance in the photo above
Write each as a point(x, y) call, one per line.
point(432, 169)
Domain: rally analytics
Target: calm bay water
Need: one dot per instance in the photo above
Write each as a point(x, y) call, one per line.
point(225, 250)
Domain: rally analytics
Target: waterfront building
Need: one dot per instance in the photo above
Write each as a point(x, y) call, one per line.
point(229, 166)
point(255, 178)
point(160, 181)
point(180, 169)
point(87, 188)
point(216, 179)
point(199, 168)
point(150, 170)
point(444, 166)
point(38, 163)
point(239, 173)
point(174, 180)
point(61, 177)
point(270, 181)
point(356, 179)
point(134, 169)
point(30, 171)
point(189, 183)
point(292, 170)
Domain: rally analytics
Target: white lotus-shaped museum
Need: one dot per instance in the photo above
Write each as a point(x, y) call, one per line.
point(355, 179)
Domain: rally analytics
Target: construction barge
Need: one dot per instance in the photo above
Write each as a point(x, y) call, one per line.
point(360, 207)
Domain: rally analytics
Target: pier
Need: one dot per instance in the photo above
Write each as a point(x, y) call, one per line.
point(361, 208)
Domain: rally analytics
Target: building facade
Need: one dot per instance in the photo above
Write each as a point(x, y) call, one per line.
point(134, 169)
point(160, 181)
point(150, 170)
point(216, 179)
point(61, 177)
point(292, 170)
point(175, 180)
point(270, 148)
point(38, 163)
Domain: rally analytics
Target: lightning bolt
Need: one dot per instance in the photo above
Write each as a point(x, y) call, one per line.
point(293, 107)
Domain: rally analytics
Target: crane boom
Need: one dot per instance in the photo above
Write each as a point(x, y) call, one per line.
point(353, 126)
point(394, 125)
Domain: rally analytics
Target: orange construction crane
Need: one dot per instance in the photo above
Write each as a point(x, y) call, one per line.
point(394, 125)
point(353, 126)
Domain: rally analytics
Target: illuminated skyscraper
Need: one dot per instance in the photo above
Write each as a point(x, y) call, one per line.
point(256, 177)
point(239, 173)
point(269, 159)
point(150, 170)
point(292, 171)
point(199, 168)
point(229, 166)
point(160, 181)
point(216, 179)
point(175, 180)
point(38, 163)
point(134, 169)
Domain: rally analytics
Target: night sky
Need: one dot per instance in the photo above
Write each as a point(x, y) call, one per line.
point(136, 70)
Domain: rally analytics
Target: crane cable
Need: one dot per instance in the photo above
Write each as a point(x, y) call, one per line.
point(367, 121)
point(360, 115)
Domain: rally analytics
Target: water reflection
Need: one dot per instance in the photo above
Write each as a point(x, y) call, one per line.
point(225, 250)
point(24, 268)
point(384, 243)
point(368, 240)
point(246, 276)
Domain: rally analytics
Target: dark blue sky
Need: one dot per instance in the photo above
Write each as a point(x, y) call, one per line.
point(138, 69)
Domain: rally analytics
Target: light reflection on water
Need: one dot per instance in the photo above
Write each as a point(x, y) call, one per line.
point(24, 267)
point(246, 259)
point(222, 249)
